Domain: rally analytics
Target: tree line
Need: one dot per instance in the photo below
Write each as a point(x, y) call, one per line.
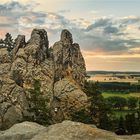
point(116, 102)
point(119, 87)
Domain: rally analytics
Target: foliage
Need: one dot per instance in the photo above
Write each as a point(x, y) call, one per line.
point(131, 124)
point(132, 102)
point(119, 87)
point(82, 116)
point(117, 102)
point(38, 105)
point(8, 42)
point(121, 127)
point(98, 111)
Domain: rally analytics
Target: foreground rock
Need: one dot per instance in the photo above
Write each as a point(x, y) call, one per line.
point(66, 130)
point(21, 131)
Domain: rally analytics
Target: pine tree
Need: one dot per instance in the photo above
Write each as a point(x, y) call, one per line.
point(99, 110)
point(131, 124)
point(38, 105)
point(8, 42)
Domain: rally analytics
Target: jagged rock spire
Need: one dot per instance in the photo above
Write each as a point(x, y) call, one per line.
point(66, 37)
point(19, 43)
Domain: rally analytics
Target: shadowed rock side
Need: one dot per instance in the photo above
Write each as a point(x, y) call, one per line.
point(61, 73)
point(66, 130)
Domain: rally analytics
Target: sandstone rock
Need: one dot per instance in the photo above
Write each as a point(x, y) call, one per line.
point(68, 59)
point(66, 37)
point(61, 74)
point(19, 43)
point(69, 98)
point(37, 46)
point(68, 130)
point(4, 56)
point(21, 131)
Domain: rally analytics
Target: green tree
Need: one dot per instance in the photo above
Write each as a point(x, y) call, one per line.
point(82, 116)
point(8, 42)
point(99, 110)
point(121, 127)
point(117, 102)
point(131, 124)
point(38, 105)
point(132, 102)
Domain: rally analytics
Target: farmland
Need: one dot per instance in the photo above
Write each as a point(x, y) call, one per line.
point(104, 76)
point(116, 86)
point(109, 94)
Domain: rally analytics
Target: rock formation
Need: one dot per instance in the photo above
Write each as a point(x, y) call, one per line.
point(66, 130)
point(60, 70)
point(22, 131)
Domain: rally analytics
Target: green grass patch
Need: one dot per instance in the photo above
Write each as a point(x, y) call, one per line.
point(109, 94)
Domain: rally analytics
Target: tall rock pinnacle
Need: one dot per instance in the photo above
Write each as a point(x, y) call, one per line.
point(68, 59)
point(66, 37)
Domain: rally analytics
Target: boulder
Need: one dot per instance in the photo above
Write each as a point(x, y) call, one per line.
point(69, 130)
point(68, 98)
point(21, 131)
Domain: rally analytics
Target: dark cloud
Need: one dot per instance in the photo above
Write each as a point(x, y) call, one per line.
point(99, 23)
point(111, 30)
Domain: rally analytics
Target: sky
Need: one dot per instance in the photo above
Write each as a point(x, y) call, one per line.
point(108, 31)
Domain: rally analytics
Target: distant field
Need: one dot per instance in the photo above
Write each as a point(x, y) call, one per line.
point(106, 95)
point(114, 78)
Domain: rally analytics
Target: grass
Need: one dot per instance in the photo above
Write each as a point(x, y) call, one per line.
point(107, 94)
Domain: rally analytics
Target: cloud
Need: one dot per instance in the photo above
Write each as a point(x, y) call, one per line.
point(99, 23)
point(130, 20)
point(111, 30)
point(103, 36)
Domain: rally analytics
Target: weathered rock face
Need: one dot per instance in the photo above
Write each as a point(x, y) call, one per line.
point(61, 74)
point(68, 59)
point(19, 43)
point(66, 130)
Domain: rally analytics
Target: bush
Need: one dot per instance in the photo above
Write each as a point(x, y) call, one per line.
point(117, 102)
point(132, 102)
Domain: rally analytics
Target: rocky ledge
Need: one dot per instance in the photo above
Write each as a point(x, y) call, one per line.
point(67, 130)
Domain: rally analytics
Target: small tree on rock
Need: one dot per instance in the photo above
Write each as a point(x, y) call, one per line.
point(38, 105)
